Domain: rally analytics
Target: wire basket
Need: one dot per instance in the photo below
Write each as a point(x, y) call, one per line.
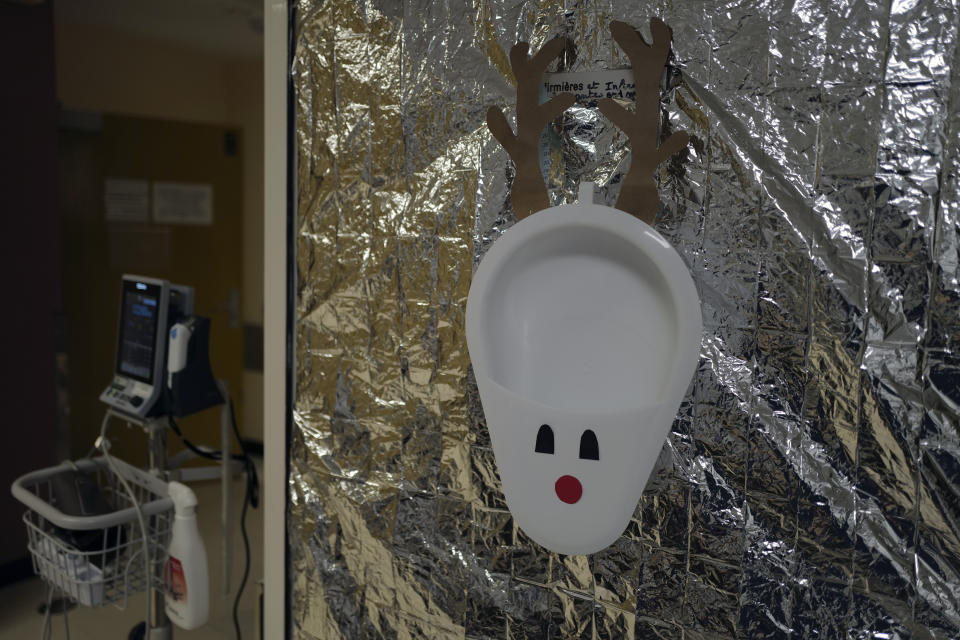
point(95, 559)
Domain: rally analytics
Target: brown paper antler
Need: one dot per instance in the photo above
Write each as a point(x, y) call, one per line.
point(529, 194)
point(638, 194)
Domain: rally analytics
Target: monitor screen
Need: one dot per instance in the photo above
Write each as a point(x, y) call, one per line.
point(139, 314)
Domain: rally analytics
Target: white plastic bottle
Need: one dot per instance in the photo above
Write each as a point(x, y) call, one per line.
point(185, 574)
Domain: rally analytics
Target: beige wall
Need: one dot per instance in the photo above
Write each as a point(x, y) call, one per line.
point(104, 70)
point(244, 91)
point(100, 69)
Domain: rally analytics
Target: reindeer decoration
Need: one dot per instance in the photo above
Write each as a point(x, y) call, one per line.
point(583, 323)
point(528, 194)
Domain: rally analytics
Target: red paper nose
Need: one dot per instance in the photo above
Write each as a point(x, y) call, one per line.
point(569, 489)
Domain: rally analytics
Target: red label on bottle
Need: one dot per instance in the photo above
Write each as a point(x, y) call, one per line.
point(174, 581)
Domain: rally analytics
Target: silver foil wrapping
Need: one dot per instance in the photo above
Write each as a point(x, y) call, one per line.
point(811, 485)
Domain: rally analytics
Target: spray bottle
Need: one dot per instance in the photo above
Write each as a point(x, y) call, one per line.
point(185, 574)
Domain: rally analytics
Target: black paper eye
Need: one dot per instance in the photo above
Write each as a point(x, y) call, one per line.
point(589, 449)
point(544, 440)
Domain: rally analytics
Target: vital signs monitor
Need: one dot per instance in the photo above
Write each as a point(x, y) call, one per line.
point(148, 308)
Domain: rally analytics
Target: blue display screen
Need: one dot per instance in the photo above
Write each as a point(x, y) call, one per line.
point(138, 331)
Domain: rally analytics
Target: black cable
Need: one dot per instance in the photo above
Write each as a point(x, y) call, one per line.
point(210, 455)
point(246, 566)
point(250, 497)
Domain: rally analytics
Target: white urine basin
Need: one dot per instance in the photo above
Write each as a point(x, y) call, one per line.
point(581, 320)
point(580, 317)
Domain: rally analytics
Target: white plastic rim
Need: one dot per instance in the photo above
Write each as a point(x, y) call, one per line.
point(580, 317)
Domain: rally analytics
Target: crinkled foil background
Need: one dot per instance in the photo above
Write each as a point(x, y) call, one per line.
point(811, 486)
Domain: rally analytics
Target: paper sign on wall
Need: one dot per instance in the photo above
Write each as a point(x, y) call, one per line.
point(125, 200)
point(590, 86)
point(182, 203)
point(587, 87)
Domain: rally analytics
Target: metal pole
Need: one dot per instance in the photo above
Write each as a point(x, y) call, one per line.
point(157, 446)
point(156, 429)
point(226, 466)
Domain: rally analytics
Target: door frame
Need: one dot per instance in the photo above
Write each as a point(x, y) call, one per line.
point(277, 221)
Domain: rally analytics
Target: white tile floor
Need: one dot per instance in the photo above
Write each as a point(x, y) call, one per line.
point(19, 602)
